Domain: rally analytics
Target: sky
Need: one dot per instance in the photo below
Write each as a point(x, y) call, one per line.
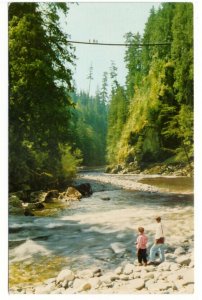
point(106, 23)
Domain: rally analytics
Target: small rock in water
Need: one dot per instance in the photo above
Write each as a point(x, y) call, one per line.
point(118, 248)
point(105, 198)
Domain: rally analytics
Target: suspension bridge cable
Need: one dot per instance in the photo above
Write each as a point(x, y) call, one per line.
point(119, 44)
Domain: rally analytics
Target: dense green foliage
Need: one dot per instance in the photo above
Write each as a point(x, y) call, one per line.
point(39, 105)
point(89, 124)
point(152, 120)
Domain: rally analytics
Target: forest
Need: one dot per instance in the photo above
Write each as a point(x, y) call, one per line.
point(54, 128)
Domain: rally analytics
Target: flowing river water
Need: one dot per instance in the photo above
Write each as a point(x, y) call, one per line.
point(100, 231)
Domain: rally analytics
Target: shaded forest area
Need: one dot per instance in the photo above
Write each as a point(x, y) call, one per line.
point(53, 128)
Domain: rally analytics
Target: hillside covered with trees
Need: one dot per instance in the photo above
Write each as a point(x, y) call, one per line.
point(151, 118)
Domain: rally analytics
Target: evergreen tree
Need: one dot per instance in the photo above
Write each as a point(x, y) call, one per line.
point(104, 88)
point(113, 76)
point(133, 59)
point(90, 126)
point(39, 82)
point(117, 116)
point(182, 52)
point(90, 78)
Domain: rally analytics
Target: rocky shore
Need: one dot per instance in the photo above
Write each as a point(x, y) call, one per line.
point(174, 276)
point(175, 169)
point(42, 203)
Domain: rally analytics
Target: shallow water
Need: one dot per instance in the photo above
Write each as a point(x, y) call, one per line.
point(94, 232)
point(171, 184)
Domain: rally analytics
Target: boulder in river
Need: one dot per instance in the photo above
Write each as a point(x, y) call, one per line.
point(73, 194)
point(85, 189)
point(37, 205)
point(37, 196)
point(51, 195)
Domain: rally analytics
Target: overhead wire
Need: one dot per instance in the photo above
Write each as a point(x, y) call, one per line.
point(95, 43)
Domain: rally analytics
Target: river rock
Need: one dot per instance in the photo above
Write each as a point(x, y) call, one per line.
point(179, 251)
point(37, 205)
point(129, 268)
point(105, 198)
point(157, 275)
point(178, 284)
point(124, 277)
point(169, 266)
point(160, 285)
point(191, 265)
point(50, 280)
point(184, 260)
point(80, 285)
point(109, 277)
point(51, 195)
point(148, 268)
point(84, 287)
point(73, 194)
point(189, 288)
point(85, 274)
point(37, 196)
point(65, 275)
point(188, 277)
point(165, 266)
point(97, 272)
point(45, 289)
point(95, 282)
point(147, 276)
point(28, 212)
point(119, 270)
point(85, 189)
point(60, 290)
point(136, 275)
point(138, 284)
point(170, 257)
point(173, 277)
point(149, 283)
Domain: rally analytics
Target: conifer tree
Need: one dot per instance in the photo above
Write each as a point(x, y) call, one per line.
point(39, 82)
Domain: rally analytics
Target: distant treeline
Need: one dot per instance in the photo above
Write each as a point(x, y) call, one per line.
point(53, 128)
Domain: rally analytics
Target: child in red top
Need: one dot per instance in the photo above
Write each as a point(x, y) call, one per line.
point(141, 246)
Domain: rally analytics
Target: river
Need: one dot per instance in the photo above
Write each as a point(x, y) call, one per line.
point(100, 230)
